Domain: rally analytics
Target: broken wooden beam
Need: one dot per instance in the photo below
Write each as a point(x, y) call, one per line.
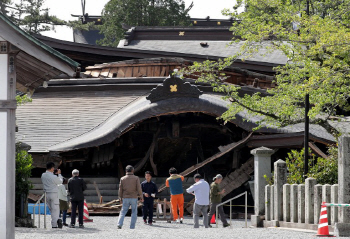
point(212, 158)
point(317, 150)
point(98, 192)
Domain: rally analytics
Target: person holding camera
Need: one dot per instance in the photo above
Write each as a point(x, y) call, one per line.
point(50, 184)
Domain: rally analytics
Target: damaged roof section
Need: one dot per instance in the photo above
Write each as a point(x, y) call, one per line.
point(162, 67)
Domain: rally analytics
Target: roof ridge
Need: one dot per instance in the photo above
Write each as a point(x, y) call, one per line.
point(38, 42)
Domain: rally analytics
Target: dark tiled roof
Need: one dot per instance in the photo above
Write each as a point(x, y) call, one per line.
point(214, 48)
point(343, 125)
point(56, 117)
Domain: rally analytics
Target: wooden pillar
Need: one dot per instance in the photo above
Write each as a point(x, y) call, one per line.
point(7, 144)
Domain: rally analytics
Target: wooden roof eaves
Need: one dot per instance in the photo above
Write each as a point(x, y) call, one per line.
point(32, 46)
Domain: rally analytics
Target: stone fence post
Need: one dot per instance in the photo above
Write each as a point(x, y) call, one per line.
point(280, 178)
point(326, 197)
point(343, 226)
point(309, 200)
point(286, 202)
point(301, 203)
point(267, 203)
point(294, 203)
point(317, 202)
point(334, 199)
point(262, 166)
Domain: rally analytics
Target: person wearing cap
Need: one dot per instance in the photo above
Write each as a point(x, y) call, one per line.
point(201, 204)
point(76, 187)
point(215, 199)
point(129, 191)
point(174, 182)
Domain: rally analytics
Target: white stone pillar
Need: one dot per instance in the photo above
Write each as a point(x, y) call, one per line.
point(294, 203)
point(334, 199)
point(272, 202)
point(267, 203)
point(262, 166)
point(7, 145)
point(344, 178)
point(317, 202)
point(280, 178)
point(343, 227)
point(286, 202)
point(301, 203)
point(326, 197)
point(309, 200)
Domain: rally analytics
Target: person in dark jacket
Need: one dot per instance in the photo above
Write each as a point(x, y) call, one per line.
point(76, 187)
point(149, 190)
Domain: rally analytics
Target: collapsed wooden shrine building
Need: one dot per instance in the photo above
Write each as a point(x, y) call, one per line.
point(125, 107)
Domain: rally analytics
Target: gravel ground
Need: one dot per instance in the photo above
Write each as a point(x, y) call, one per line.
point(106, 227)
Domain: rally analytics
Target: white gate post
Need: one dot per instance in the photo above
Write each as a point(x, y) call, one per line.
point(7, 142)
point(343, 227)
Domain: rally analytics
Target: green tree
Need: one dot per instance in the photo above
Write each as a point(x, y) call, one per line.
point(140, 13)
point(30, 15)
point(4, 5)
point(317, 44)
point(325, 171)
point(24, 168)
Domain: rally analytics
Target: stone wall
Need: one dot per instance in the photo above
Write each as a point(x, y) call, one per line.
point(299, 206)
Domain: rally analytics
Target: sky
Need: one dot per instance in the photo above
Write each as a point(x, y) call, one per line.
point(64, 8)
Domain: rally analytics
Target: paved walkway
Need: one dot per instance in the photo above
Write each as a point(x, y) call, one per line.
point(106, 227)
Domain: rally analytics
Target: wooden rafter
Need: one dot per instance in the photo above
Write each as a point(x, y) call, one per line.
point(211, 159)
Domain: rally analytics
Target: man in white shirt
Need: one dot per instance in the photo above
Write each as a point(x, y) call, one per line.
point(50, 182)
point(201, 191)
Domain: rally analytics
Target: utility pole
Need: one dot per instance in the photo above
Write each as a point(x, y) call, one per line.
point(306, 130)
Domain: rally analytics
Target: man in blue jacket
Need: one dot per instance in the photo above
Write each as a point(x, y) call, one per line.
point(149, 190)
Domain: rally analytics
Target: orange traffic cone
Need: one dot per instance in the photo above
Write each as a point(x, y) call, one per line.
point(323, 230)
point(86, 213)
point(212, 220)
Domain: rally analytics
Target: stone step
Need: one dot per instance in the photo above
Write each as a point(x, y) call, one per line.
point(95, 199)
point(89, 186)
point(103, 192)
point(102, 180)
point(87, 180)
point(108, 186)
point(37, 191)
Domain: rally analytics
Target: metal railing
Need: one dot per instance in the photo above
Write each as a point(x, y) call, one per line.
point(38, 202)
point(230, 200)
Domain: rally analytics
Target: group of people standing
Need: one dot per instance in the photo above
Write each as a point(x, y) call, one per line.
point(207, 197)
point(57, 196)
